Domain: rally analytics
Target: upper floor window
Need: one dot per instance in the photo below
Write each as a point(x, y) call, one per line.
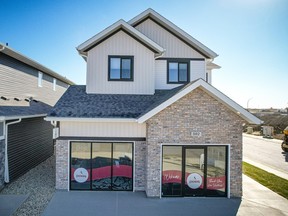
point(178, 71)
point(40, 78)
point(1, 130)
point(54, 84)
point(120, 68)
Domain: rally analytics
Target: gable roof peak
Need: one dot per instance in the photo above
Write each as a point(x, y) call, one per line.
point(174, 29)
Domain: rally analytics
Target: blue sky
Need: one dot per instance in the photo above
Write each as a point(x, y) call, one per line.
point(250, 36)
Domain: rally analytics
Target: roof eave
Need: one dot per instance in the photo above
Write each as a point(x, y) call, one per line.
point(6, 118)
point(175, 29)
point(75, 119)
point(236, 108)
point(121, 24)
point(16, 55)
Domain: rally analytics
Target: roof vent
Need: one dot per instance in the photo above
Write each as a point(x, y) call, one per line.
point(17, 99)
point(27, 99)
point(4, 98)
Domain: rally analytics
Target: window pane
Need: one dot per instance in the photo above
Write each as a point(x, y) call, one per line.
point(80, 165)
point(114, 68)
point(172, 171)
point(101, 166)
point(216, 170)
point(126, 68)
point(183, 72)
point(173, 72)
point(122, 178)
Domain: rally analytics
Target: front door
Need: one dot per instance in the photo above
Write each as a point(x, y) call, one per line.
point(195, 172)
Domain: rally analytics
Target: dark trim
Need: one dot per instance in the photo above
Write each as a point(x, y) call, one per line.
point(101, 138)
point(179, 61)
point(111, 162)
point(158, 23)
point(186, 59)
point(128, 33)
point(121, 57)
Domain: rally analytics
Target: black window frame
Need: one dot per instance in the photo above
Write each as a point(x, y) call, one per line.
point(178, 61)
point(131, 66)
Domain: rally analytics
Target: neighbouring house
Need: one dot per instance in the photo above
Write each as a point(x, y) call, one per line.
point(148, 118)
point(28, 90)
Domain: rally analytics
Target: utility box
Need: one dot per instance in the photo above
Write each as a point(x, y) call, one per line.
point(249, 130)
point(268, 131)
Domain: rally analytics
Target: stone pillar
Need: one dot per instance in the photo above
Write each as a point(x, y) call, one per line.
point(140, 165)
point(62, 166)
point(2, 161)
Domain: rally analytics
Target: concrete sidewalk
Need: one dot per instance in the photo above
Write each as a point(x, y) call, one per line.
point(257, 200)
point(10, 203)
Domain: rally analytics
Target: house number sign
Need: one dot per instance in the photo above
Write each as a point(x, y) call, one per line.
point(196, 134)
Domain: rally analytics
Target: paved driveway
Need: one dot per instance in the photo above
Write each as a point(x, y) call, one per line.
point(265, 152)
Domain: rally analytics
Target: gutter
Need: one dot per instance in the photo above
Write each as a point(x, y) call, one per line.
point(6, 167)
point(5, 118)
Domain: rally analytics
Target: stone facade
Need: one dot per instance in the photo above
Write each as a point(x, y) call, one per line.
point(2, 161)
point(139, 163)
point(195, 112)
point(62, 166)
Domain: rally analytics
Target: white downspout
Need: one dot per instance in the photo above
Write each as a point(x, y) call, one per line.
point(6, 169)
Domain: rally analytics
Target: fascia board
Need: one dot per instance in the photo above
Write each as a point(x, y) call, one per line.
point(114, 27)
point(5, 118)
point(175, 29)
point(212, 92)
point(68, 119)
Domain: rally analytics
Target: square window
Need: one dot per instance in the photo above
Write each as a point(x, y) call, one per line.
point(120, 68)
point(178, 72)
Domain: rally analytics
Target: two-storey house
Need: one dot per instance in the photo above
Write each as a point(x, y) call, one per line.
point(148, 118)
point(28, 90)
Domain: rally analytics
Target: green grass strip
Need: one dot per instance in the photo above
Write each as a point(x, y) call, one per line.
point(275, 183)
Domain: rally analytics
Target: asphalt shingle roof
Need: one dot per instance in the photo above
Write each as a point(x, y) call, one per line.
point(34, 108)
point(76, 103)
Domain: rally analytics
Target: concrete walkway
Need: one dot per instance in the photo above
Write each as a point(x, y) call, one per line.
point(10, 203)
point(257, 200)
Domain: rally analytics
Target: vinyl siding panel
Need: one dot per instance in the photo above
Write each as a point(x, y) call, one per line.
point(21, 81)
point(120, 44)
point(197, 70)
point(103, 129)
point(29, 143)
point(174, 46)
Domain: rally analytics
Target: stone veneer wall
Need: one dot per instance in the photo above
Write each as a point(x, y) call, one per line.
point(62, 166)
point(196, 111)
point(139, 163)
point(2, 161)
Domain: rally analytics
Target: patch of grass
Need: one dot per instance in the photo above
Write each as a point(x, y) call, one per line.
point(275, 183)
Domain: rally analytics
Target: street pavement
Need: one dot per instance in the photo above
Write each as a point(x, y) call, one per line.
point(265, 154)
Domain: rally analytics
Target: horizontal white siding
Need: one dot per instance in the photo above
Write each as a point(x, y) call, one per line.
point(197, 70)
point(174, 46)
point(18, 84)
point(102, 129)
point(120, 44)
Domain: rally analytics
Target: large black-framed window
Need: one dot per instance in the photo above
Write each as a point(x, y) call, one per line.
point(120, 68)
point(101, 166)
point(178, 71)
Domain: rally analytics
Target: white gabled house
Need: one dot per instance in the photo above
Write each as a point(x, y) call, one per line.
point(148, 118)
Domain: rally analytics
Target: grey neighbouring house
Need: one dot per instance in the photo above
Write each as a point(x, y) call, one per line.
point(148, 118)
point(28, 90)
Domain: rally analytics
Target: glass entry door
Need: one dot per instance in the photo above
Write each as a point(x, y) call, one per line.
point(194, 169)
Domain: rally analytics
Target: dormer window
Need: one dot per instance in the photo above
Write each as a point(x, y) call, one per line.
point(178, 71)
point(120, 68)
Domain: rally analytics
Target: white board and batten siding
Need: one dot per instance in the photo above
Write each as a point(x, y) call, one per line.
point(197, 70)
point(175, 48)
point(103, 129)
point(120, 44)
